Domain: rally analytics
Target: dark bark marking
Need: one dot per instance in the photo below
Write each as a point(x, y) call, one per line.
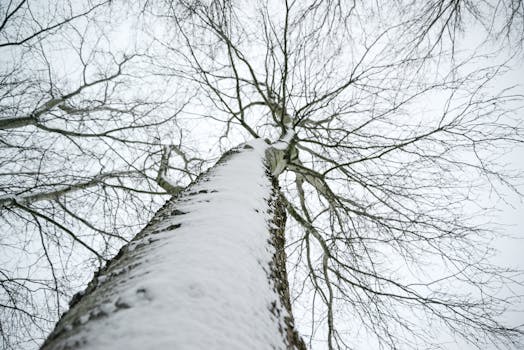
point(121, 304)
point(169, 228)
point(178, 212)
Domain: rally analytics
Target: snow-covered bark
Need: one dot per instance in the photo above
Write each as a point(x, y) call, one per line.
point(208, 272)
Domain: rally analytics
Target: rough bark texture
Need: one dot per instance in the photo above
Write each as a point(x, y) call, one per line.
point(278, 269)
point(105, 295)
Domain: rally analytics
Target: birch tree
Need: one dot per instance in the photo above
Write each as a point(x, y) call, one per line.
point(382, 125)
point(208, 271)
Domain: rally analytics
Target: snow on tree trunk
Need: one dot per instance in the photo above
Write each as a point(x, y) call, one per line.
point(208, 272)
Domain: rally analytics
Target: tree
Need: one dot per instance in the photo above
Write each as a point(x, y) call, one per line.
point(208, 271)
point(391, 128)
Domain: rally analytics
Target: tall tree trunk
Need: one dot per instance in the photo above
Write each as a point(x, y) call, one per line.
point(208, 271)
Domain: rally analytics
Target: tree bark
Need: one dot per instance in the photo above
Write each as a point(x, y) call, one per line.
point(183, 283)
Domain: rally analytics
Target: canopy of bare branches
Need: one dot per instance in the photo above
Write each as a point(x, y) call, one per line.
point(394, 120)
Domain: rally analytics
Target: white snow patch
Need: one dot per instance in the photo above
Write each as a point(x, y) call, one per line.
point(283, 143)
point(84, 318)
